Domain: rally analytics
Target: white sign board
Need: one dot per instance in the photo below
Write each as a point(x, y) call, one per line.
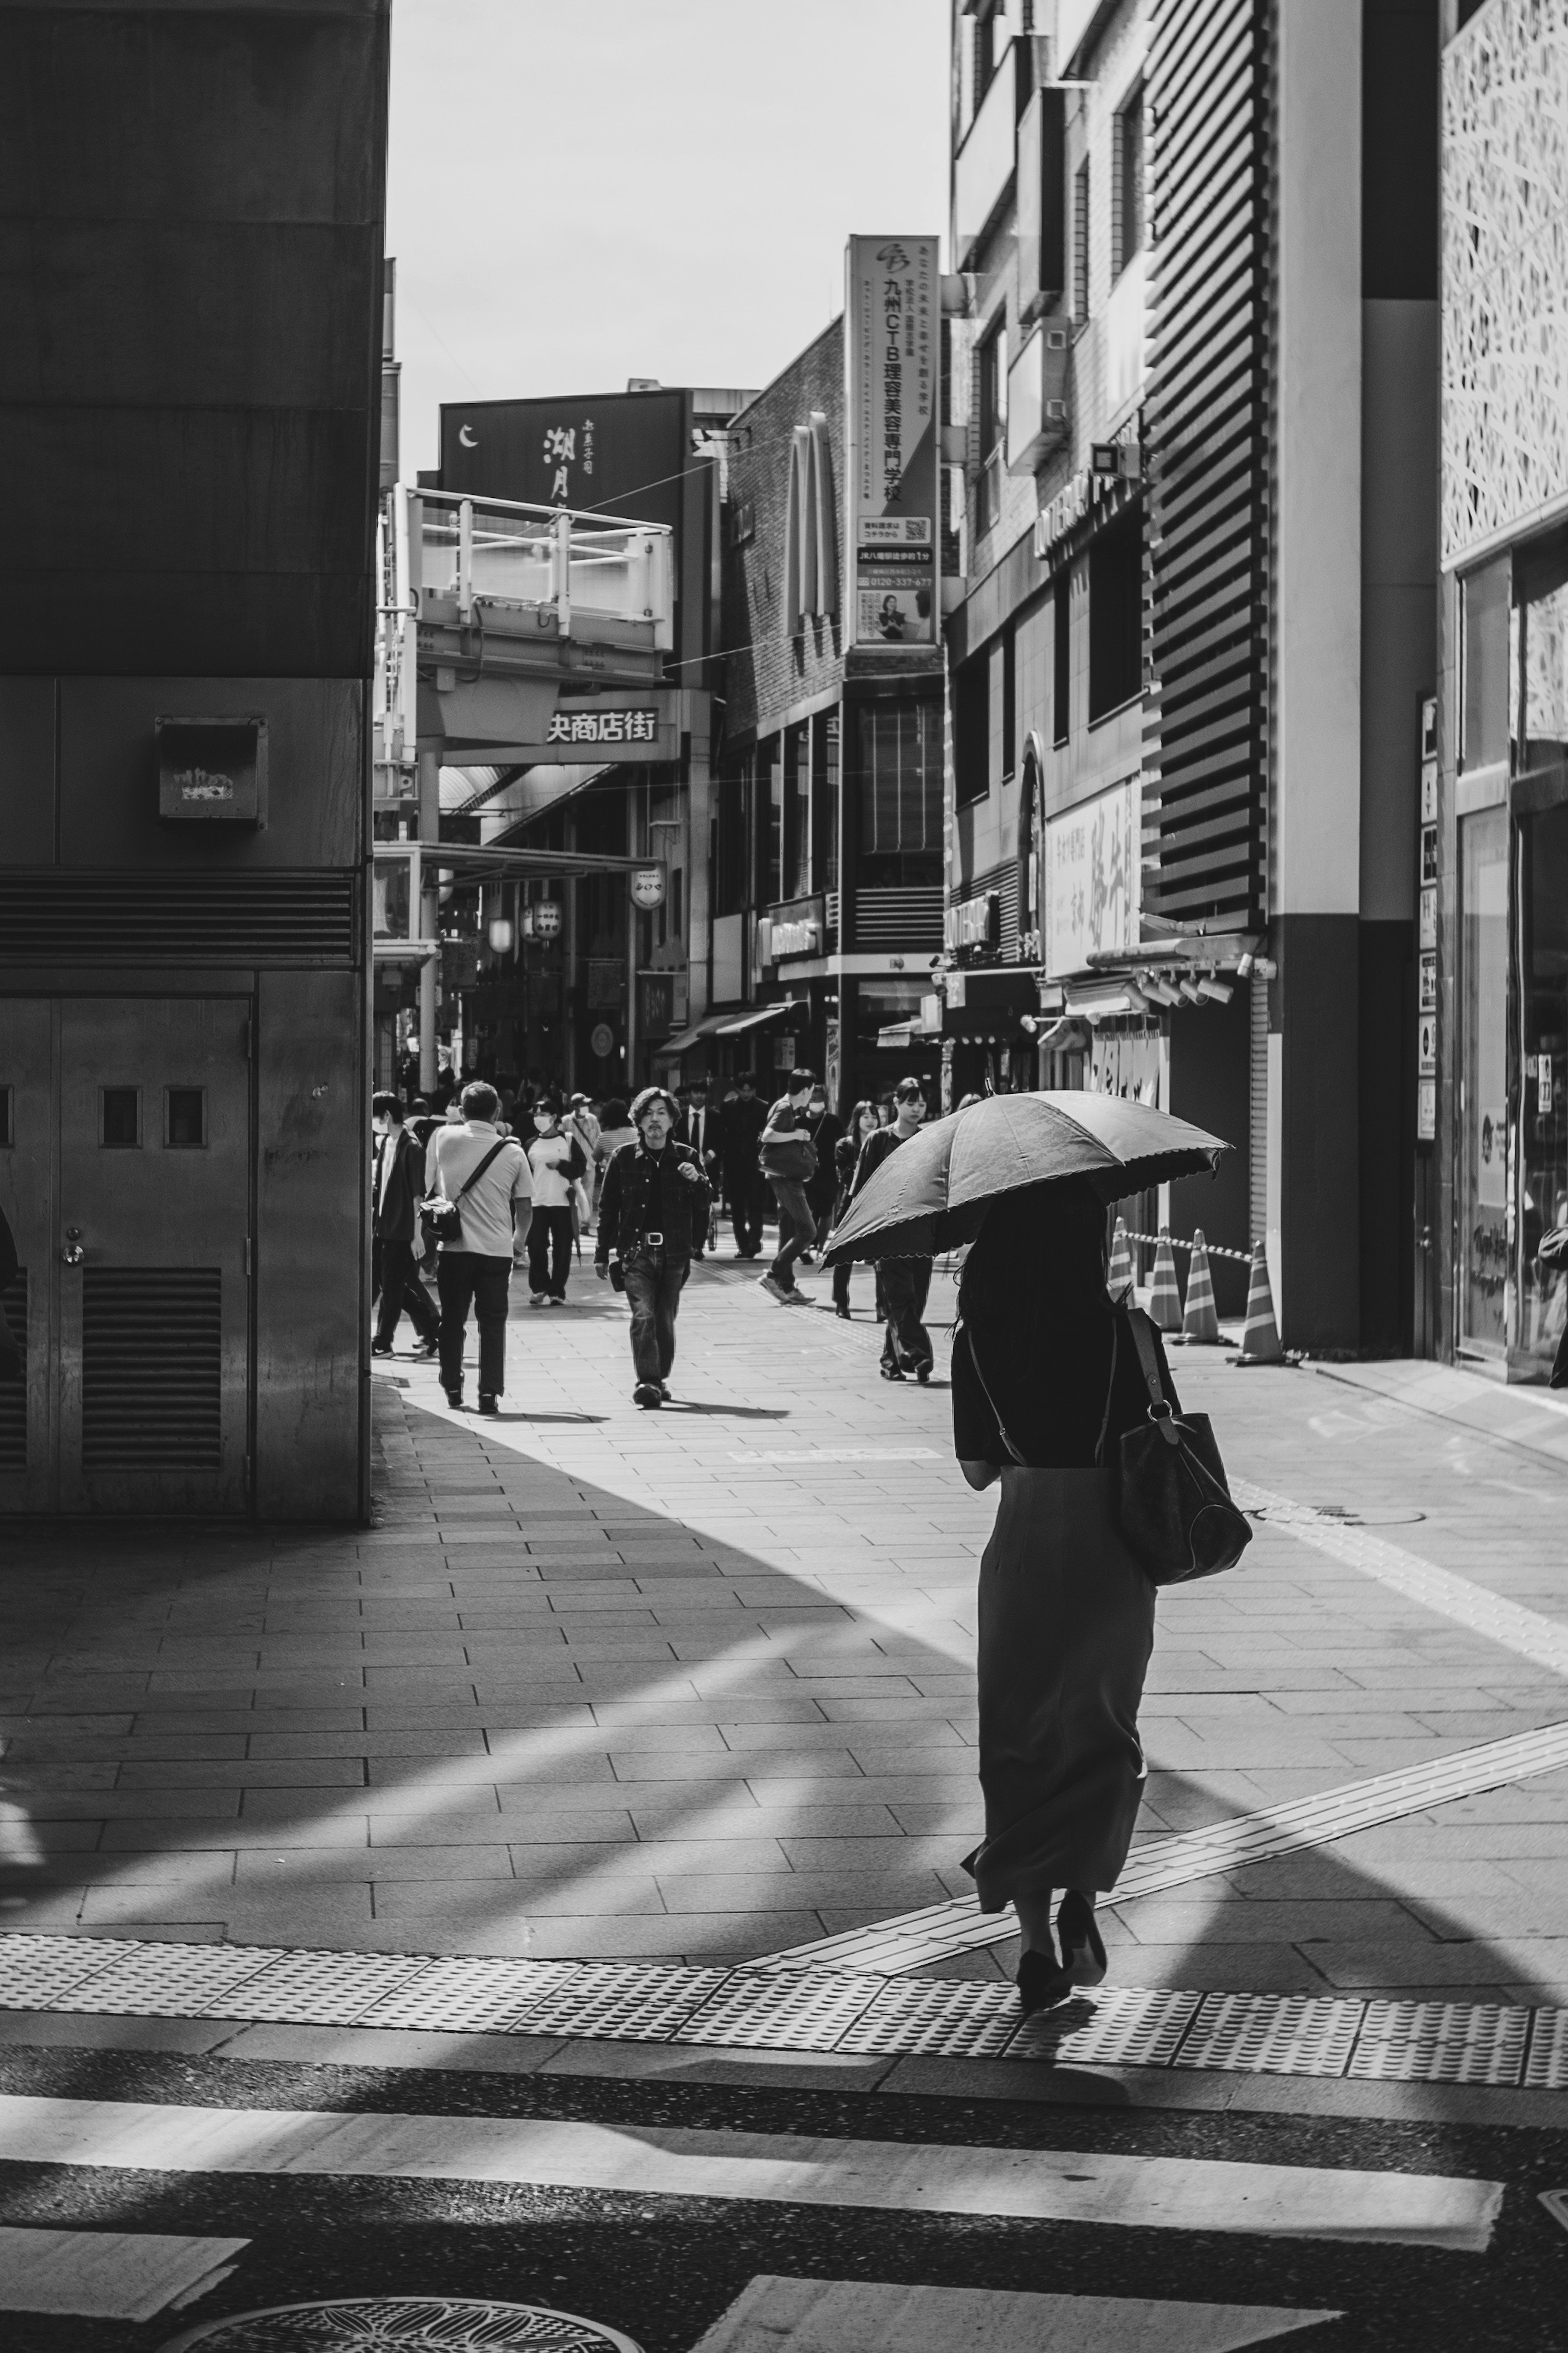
point(1092, 868)
point(892, 327)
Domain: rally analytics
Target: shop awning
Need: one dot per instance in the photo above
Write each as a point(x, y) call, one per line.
point(754, 1020)
point(703, 1028)
point(906, 1033)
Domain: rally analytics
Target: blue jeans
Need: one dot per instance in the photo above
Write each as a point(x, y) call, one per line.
point(653, 1295)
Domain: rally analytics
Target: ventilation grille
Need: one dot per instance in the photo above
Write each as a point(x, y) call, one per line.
point(908, 916)
point(1205, 738)
point(151, 1368)
point(13, 1386)
point(55, 917)
point(1004, 880)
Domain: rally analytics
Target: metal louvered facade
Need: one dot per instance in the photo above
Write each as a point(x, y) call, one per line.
point(152, 1369)
point(1206, 448)
point(60, 914)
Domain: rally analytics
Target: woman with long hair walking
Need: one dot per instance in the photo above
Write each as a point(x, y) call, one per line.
point(1045, 1381)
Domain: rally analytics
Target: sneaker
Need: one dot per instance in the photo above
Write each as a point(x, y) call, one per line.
point(550, 1300)
point(889, 1372)
point(774, 1290)
point(381, 1348)
point(427, 1347)
point(923, 1373)
point(796, 1299)
point(455, 1399)
point(843, 1314)
point(488, 1404)
point(664, 1391)
point(538, 1299)
point(646, 1394)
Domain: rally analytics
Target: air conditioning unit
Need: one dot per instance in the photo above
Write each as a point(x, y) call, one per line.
point(1037, 417)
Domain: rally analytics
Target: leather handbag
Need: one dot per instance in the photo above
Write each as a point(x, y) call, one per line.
point(441, 1219)
point(1173, 1504)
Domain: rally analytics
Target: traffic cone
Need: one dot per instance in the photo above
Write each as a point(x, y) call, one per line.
point(1260, 1339)
point(1165, 1298)
point(1201, 1323)
point(1120, 1279)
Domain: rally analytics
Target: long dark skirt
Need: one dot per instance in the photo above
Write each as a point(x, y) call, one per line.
point(1067, 1624)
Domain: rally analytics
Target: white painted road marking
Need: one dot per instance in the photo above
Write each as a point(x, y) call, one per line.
point(109, 2274)
point(1421, 2210)
point(834, 1454)
point(809, 2315)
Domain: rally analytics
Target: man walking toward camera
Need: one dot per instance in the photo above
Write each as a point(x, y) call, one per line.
point(745, 1187)
point(904, 1282)
point(397, 1179)
point(653, 1207)
point(789, 1162)
point(486, 1175)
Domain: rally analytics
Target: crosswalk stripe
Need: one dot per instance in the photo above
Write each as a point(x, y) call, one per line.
point(937, 1931)
point(109, 2274)
point(774, 2314)
point(1421, 2210)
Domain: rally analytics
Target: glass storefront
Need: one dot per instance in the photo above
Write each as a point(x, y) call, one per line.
point(1483, 1127)
point(1544, 1108)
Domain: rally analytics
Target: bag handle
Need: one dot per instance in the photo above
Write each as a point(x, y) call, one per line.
point(1161, 1412)
point(985, 1387)
point(1105, 1417)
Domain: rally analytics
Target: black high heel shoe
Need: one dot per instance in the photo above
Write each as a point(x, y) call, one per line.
point(1041, 1984)
point(1083, 1949)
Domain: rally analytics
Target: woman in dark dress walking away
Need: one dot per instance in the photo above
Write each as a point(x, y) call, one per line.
point(1046, 1380)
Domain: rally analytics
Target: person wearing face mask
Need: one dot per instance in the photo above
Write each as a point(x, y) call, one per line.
point(904, 1282)
point(653, 1208)
point(556, 1161)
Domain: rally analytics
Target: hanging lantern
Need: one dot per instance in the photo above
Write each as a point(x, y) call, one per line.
point(547, 919)
point(500, 935)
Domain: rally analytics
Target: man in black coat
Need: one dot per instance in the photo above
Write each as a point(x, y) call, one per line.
point(699, 1129)
point(397, 1181)
point(653, 1208)
point(745, 1187)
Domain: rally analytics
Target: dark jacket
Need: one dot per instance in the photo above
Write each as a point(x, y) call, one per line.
point(644, 1194)
point(712, 1131)
point(396, 1213)
point(740, 1132)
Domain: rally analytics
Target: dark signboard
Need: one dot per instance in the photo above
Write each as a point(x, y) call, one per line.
point(622, 452)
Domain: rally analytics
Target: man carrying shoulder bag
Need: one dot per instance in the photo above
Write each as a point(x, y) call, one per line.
point(484, 1188)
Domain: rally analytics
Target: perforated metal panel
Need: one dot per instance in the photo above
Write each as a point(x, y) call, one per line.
point(627, 2002)
point(1441, 2042)
point(781, 2013)
point(1263, 2035)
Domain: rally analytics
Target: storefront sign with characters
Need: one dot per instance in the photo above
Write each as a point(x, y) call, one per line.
point(646, 883)
point(891, 339)
point(1092, 877)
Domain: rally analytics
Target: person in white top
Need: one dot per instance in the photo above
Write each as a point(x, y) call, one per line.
point(556, 1160)
point(476, 1270)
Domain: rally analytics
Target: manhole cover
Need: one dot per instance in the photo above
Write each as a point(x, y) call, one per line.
point(406, 2323)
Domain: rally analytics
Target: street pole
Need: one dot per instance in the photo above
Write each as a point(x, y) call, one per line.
point(429, 914)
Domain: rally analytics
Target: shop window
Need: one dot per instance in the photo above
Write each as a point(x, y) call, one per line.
point(186, 1118)
point(1544, 1105)
point(1061, 660)
point(1115, 616)
point(1484, 639)
point(824, 800)
point(1127, 185)
point(1484, 1144)
point(1541, 588)
point(899, 794)
point(971, 731)
point(120, 1118)
point(796, 871)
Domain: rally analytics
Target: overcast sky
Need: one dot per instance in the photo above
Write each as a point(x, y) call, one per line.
point(612, 188)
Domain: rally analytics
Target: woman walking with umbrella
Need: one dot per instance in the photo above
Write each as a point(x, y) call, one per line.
point(1045, 1381)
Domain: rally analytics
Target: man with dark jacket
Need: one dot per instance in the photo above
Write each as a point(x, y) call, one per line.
point(789, 1162)
point(654, 1206)
point(700, 1129)
point(745, 1187)
point(398, 1186)
point(903, 1282)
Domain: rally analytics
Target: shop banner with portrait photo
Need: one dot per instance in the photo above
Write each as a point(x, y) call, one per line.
point(892, 338)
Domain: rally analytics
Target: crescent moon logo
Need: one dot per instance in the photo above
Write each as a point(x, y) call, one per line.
point(470, 439)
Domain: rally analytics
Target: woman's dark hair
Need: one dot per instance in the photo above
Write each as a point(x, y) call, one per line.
point(864, 1109)
point(1040, 1259)
point(614, 1114)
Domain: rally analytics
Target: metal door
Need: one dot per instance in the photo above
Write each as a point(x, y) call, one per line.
point(28, 1198)
point(137, 1162)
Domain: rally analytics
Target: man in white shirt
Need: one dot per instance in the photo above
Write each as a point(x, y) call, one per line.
point(496, 1211)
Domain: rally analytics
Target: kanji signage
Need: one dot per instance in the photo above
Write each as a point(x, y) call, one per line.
point(891, 336)
point(648, 884)
point(1426, 948)
point(639, 726)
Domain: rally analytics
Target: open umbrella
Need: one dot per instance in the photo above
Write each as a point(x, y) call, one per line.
point(933, 1192)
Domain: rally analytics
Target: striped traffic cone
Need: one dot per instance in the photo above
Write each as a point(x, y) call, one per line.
point(1121, 1278)
point(1201, 1322)
point(1260, 1339)
point(1165, 1298)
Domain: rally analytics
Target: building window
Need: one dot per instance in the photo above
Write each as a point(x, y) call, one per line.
point(186, 1118)
point(825, 801)
point(1009, 708)
point(1126, 184)
point(1061, 661)
point(769, 800)
point(796, 811)
point(1080, 241)
point(1115, 616)
point(1486, 669)
point(119, 1117)
point(900, 795)
point(734, 833)
point(993, 421)
point(971, 730)
point(984, 55)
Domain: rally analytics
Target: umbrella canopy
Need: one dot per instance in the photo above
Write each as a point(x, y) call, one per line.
point(933, 1191)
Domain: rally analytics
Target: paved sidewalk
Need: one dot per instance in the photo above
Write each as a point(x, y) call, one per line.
point(698, 1685)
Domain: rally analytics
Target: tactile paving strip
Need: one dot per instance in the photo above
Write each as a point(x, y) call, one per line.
point(620, 2002)
point(956, 2020)
point(152, 1979)
point(778, 2013)
point(467, 1996)
point(1128, 2027)
point(37, 1972)
point(1546, 2069)
point(1263, 2035)
point(321, 1989)
point(1441, 2042)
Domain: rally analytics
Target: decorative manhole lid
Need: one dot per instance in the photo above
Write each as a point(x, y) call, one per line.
point(410, 2324)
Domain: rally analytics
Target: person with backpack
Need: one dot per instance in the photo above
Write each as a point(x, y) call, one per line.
point(556, 1163)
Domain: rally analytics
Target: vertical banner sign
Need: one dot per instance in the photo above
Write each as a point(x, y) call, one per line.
point(1427, 989)
point(892, 330)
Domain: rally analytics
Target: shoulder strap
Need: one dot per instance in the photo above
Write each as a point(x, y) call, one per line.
point(1001, 1425)
point(480, 1171)
point(1143, 1341)
point(1109, 1388)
